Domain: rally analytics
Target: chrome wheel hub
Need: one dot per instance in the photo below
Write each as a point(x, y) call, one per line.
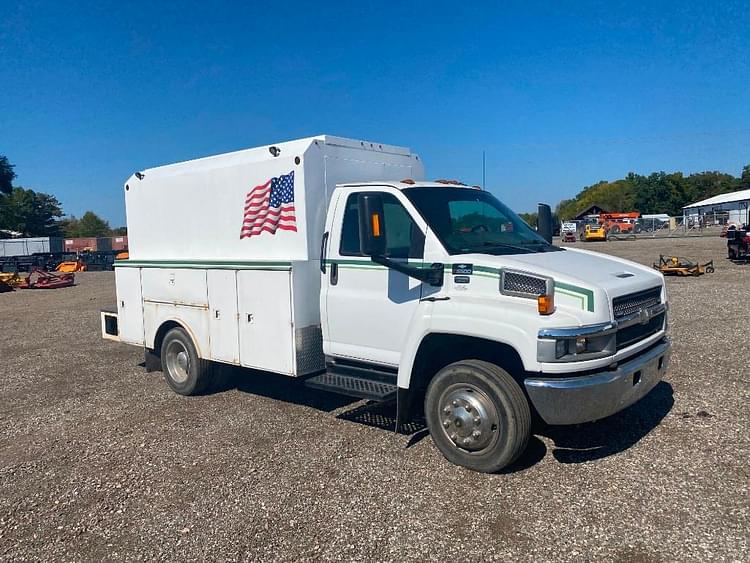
point(468, 416)
point(178, 361)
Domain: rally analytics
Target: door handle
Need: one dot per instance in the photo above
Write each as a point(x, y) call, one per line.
point(216, 313)
point(334, 273)
point(323, 248)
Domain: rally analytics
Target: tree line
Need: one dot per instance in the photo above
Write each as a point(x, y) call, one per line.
point(36, 214)
point(658, 192)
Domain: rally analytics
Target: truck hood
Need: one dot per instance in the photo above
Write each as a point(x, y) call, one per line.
point(602, 277)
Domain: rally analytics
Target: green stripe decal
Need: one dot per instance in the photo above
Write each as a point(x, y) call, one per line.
point(585, 295)
point(204, 264)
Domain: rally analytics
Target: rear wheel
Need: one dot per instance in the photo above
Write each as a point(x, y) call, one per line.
point(478, 415)
point(185, 372)
point(615, 229)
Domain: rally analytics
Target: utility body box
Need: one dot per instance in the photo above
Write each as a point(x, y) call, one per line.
point(249, 300)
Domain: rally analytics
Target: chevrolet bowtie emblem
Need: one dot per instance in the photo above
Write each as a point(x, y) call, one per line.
point(645, 316)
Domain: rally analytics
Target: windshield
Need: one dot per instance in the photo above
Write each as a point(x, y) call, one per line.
point(467, 220)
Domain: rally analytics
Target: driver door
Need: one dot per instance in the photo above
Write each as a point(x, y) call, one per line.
point(368, 307)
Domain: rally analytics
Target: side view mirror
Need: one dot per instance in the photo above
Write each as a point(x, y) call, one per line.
point(545, 228)
point(372, 237)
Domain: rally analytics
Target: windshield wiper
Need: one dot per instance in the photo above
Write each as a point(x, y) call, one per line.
point(505, 245)
point(543, 245)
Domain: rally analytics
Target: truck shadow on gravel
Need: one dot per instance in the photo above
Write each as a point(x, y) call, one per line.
point(572, 444)
point(617, 433)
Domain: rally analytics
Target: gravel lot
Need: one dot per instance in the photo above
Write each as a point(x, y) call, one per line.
point(100, 460)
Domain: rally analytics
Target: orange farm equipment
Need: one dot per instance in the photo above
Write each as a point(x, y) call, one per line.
point(619, 223)
point(676, 266)
point(41, 279)
point(71, 266)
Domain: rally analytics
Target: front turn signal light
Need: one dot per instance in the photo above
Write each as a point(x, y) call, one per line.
point(546, 304)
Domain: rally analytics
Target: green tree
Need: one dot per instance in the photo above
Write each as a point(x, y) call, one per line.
point(7, 175)
point(31, 213)
point(120, 231)
point(94, 226)
point(744, 183)
point(530, 218)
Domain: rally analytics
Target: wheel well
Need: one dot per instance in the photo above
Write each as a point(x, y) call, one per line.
point(439, 350)
point(162, 332)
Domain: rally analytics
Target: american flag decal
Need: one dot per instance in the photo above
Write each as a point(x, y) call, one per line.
point(269, 207)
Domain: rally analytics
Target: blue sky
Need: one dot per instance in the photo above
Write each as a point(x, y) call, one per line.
point(560, 95)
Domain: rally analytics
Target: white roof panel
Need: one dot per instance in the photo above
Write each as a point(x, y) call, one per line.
point(730, 197)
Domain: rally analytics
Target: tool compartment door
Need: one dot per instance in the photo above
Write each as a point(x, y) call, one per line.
point(129, 305)
point(265, 320)
point(222, 303)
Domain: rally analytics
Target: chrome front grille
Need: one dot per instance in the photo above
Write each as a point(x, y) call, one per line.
point(626, 305)
point(639, 315)
point(637, 332)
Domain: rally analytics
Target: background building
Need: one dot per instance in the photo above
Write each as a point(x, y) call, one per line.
point(724, 208)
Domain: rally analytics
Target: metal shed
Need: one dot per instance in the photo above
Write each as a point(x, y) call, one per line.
point(734, 204)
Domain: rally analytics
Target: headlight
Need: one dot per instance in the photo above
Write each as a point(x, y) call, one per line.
point(577, 344)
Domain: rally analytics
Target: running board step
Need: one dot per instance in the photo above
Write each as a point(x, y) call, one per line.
point(353, 386)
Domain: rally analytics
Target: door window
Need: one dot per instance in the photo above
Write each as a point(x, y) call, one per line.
point(404, 239)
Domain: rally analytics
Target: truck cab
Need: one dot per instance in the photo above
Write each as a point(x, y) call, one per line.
point(482, 319)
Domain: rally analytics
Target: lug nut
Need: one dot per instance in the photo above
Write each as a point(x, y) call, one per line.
point(446, 423)
point(477, 420)
point(447, 410)
point(468, 408)
point(467, 440)
point(455, 403)
point(476, 433)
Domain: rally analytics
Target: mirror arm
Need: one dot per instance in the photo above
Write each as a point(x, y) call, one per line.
point(432, 275)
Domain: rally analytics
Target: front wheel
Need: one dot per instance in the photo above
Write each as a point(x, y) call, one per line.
point(478, 415)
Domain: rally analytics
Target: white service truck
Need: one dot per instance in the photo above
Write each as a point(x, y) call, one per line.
point(333, 261)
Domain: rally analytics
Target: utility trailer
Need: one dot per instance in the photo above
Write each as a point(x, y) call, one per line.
point(332, 260)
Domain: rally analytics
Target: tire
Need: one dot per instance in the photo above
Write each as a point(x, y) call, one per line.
point(477, 415)
point(184, 371)
point(615, 229)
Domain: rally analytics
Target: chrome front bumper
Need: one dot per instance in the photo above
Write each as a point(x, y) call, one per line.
point(572, 400)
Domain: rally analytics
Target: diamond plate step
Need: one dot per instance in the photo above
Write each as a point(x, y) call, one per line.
point(353, 386)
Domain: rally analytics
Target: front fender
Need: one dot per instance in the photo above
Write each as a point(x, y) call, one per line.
point(473, 319)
